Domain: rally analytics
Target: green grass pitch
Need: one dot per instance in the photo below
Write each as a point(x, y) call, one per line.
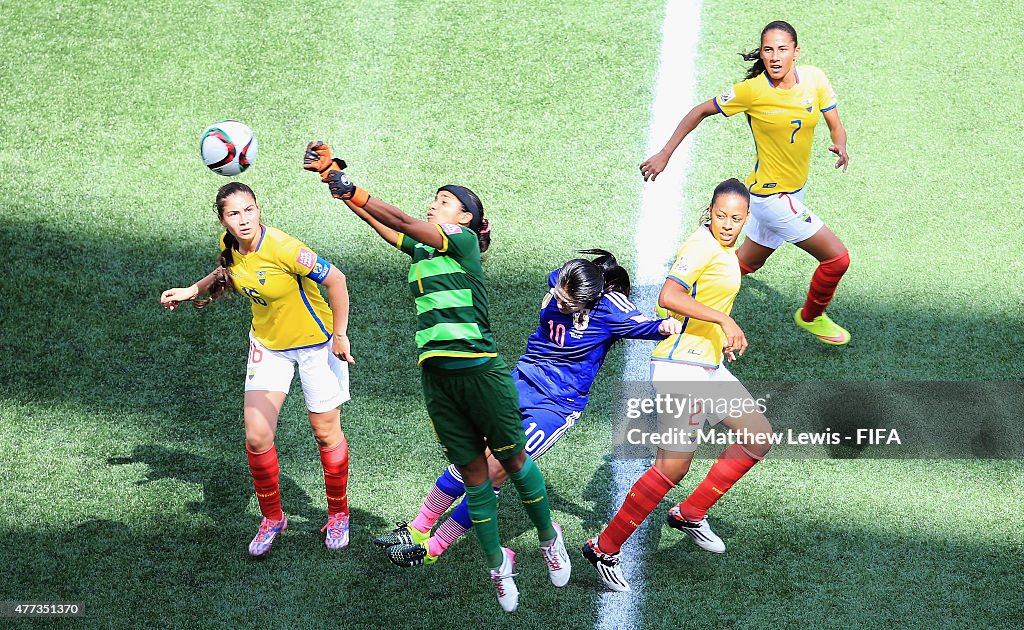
point(123, 480)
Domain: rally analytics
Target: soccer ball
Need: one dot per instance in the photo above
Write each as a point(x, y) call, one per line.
point(228, 147)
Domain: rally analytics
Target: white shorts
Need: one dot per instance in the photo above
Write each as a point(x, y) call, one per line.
point(781, 218)
point(709, 404)
point(324, 376)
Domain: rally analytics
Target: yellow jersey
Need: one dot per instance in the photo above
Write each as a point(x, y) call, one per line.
point(711, 273)
point(782, 122)
point(279, 277)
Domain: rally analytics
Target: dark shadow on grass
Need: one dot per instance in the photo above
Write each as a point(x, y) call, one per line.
point(893, 340)
point(805, 572)
point(514, 521)
point(592, 513)
point(188, 572)
point(227, 487)
point(82, 326)
point(82, 330)
point(780, 570)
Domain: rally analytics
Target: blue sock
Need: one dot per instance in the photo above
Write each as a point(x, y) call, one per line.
point(461, 515)
point(450, 485)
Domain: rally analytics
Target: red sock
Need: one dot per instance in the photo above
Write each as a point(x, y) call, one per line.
point(733, 463)
point(265, 472)
point(335, 461)
point(823, 285)
point(744, 269)
point(643, 497)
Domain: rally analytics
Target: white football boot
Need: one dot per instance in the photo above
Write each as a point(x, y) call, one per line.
point(700, 531)
point(508, 592)
point(557, 558)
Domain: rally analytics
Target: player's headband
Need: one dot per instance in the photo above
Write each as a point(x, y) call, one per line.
point(469, 202)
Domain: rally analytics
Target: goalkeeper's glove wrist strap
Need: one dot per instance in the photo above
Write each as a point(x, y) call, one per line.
point(360, 197)
point(335, 165)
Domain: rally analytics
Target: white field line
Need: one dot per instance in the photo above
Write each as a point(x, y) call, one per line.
point(657, 237)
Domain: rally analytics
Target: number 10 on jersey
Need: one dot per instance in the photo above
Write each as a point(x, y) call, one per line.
point(556, 333)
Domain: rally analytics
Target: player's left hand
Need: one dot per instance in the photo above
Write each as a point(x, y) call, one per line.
point(318, 157)
point(171, 298)
point(653, 166)
point(735, 340)
point(342, 349)
point(844, 158)
point(670, 326)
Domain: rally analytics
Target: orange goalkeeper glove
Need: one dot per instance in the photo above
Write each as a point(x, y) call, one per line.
point(318, 159)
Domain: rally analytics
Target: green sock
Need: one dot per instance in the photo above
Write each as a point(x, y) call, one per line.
point(483, 510)
point(529, 482)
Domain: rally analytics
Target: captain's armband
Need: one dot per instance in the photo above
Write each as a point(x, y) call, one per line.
point(320, 270)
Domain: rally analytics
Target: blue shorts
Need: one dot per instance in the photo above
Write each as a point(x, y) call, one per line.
point(544, 421)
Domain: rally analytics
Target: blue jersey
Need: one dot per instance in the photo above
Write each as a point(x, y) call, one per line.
point(564, 354)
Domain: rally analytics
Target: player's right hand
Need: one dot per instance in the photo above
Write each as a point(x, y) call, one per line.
point(340, 185)
point(670, 326)
point(653, 166)
point(318, 157)
point(735, 340)
point(172, 297)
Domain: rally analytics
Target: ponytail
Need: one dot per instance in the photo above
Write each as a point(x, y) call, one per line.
point(616, 278)
point(755, 55)
point(758, 67)
point(221, 286)
point(484, 235)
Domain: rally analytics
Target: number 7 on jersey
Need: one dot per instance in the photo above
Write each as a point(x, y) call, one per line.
point(799, 123)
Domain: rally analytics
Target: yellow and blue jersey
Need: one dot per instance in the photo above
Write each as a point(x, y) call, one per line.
point(280, 276)
point(782, 122)
point(710, 272)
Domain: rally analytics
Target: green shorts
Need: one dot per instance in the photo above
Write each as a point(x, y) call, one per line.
point(474, 408)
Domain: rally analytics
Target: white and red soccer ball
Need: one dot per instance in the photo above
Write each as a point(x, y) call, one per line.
point(228, 147)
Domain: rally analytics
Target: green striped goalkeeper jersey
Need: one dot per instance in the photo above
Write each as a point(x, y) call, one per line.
point(451, 300)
